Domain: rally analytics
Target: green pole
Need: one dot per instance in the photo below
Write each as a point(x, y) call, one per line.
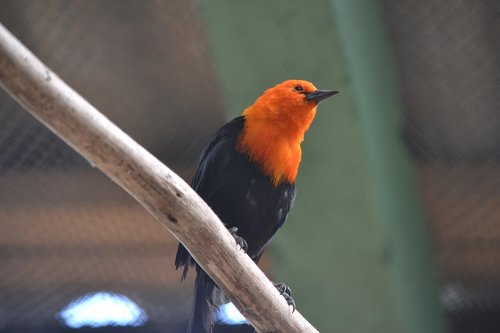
point(371, 70)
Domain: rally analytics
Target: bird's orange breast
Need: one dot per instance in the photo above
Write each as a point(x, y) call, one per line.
point(274, 129)
point(274, 144)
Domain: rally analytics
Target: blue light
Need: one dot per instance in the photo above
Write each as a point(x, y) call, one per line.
point(228, 314)
point(102, 309)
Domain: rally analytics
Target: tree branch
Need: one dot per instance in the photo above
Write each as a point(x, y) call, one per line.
point(164, 194)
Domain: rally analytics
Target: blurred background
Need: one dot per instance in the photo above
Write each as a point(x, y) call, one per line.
point(396, 227)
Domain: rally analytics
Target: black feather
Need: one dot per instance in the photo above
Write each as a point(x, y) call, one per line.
point(242, 196)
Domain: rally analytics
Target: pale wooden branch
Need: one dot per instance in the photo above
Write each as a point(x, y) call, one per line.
point(164, 194)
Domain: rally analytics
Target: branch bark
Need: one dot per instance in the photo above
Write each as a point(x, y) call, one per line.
point(164, 194)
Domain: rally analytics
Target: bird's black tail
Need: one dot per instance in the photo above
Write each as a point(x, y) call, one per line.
point(202, 316)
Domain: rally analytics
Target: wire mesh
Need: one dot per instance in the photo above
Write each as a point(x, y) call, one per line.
point(447, 56)
point(67, 230)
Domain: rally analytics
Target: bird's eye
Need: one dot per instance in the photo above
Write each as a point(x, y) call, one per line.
point(298, 88)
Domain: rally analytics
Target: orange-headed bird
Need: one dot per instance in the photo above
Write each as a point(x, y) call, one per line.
point(247, 174)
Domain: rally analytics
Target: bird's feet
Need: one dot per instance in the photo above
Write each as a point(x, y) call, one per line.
point(240, 241)
point(286, 292)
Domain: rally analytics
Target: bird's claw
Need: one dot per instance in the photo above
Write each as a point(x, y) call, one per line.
point(286, 292)
point(283, 288)
point(240, 241)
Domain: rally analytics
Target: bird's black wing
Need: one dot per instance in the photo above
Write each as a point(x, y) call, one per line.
point(239, 193)
point(242, 196)
point(216, 157)
point(213, 162)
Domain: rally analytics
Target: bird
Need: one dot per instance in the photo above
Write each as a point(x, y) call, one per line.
point(246, 174)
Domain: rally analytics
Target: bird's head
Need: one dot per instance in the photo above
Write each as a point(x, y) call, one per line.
point(292, 102)
point(275, 126)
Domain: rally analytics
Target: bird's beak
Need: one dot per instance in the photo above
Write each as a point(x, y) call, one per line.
point(320, 95)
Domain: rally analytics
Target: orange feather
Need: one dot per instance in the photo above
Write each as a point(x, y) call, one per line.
point(275, 126)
